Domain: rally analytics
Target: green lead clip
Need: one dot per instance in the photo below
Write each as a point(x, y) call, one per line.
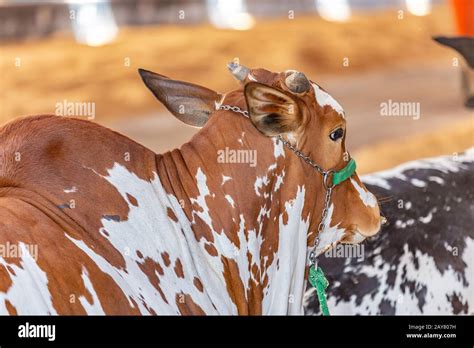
point(345, 173)
point(320, 283)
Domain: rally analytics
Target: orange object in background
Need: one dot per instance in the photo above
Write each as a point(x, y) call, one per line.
point(464, 15)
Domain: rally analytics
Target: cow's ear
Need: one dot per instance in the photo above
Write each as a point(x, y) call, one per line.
point(192, 104)
point(273, 112)
point(464, 45)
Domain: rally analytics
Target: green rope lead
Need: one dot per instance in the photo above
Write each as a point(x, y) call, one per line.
point(320, 283)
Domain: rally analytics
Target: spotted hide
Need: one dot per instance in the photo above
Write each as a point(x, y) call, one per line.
point(422, 262)
point(93, 223)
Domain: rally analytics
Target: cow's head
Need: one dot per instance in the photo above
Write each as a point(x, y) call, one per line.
point(285, 104)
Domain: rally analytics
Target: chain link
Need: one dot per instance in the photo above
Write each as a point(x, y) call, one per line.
point(326, 176)
point(301, 155)
point(234, 109)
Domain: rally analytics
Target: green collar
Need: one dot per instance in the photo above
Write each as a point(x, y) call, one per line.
point(345, 173)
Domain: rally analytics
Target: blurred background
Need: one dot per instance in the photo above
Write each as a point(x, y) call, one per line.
point(366, 53)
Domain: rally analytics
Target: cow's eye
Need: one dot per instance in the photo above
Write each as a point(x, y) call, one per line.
point(337, 134)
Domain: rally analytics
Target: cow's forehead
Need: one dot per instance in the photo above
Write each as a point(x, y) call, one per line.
point(323, 98)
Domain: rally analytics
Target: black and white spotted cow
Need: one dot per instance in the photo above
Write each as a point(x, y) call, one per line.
point(422, 262)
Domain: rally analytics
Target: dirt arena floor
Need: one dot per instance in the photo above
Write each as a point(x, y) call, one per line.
point(389, 59)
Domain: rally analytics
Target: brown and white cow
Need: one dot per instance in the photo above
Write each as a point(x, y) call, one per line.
point(92, 222)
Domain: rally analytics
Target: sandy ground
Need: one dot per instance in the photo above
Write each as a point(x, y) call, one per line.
point(444, 125)
point(35, 75)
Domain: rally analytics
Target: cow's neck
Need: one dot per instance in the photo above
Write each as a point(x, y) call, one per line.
point(251, 204)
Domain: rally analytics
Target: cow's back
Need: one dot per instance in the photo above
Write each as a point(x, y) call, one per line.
point(36, 149)
point(110, 238)
point(54, 196)
point(65, 161)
